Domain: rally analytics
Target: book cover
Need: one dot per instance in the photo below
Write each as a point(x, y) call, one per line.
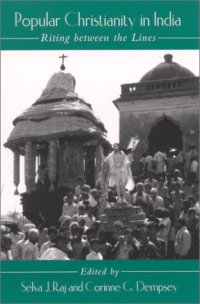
point(77, 77)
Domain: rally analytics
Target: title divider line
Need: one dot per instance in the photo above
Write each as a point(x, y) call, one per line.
point(160, 271)
point(24, 272)
point(19, 38)
point(180, 38)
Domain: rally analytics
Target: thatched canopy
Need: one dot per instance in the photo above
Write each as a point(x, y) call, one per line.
point(57, 113)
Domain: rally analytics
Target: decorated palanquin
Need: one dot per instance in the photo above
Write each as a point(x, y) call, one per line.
point(60, 139)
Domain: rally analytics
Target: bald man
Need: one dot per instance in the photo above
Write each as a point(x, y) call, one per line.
point(30, 251)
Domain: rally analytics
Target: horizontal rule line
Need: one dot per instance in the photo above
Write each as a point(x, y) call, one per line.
point(182, 38)
point(18, 272)
point(19, 38)
point(160, 271)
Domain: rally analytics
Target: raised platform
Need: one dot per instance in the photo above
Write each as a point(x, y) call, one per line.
point(129, 215)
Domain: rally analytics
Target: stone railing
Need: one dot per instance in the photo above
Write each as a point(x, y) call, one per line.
point(160, 88)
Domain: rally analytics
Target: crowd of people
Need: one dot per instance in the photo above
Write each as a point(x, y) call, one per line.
point(166, 192)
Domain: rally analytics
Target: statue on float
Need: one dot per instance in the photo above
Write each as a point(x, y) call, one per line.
point(117, 173)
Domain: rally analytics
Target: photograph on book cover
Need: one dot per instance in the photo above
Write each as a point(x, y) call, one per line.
point(99, 152)
point(101, 162)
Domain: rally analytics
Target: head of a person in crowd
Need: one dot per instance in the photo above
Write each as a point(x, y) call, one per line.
point(86, 203)
point(33, 235)
point(140, 188)
point(192, 147)
point(95, 226)
point(91, 234)
point(81, 209)
point(78, 233)
point(191, 213)
point(161, 180)
point(185, 205)
point(65, 222)
point(144, 154)
point(164, 212)
point(194, 158)
point(153, 193)
point(80, 181)
point(6, 243)
point(136, 232)
point(143, 235)
point(95, 194)
point(95, 245)
point(44, 232)
point(15, 229)
point(121, 239)
point(128, 232)
point(147, 187)
point(195, 188)
point(180, 222)
point(26, 229)
point(153, 218)
point(3, 230)
point(61, 243)
point(65, 232)
point(116, 147)
point(177, 173)
point(86, 189)
point(153, 228)
point(119, 227)
point(192, 200)
point(85, 196)
point(74, 226)
point(70, 198)
point(53, 234)
point(81, 221)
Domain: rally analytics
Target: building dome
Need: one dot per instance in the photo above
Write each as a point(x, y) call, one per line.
point(167, 70)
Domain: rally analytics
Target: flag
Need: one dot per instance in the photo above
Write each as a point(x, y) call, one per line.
point(133, 143)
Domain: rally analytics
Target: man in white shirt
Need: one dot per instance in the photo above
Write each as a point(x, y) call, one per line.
point(182, 239)
point(94, 253)
point(15, 236)
point(53, 234)
point(160, 159)
point(69, 207)
point(155, 201)
point(58, 252)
